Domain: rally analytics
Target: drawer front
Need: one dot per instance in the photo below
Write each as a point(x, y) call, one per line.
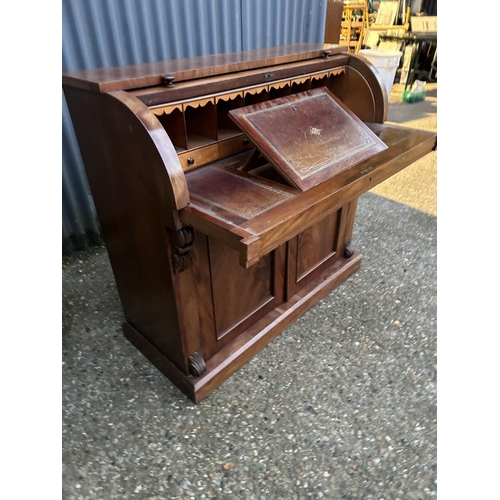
point(234, 145)
point(207, 154)
point(198, 157)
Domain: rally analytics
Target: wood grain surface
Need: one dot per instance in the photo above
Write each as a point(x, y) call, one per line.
point(149, 74)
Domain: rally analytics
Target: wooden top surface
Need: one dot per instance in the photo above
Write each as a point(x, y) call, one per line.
point(309, 136)
point(149, 74)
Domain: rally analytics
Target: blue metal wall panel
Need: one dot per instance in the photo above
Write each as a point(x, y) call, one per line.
point(98, 33)
point(75, 187)
point(268, 23)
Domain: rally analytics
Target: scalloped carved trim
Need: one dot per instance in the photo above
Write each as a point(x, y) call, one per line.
point(298, 81)
point(256, 90)
point(318, 76)
point(279, 85)
point(229, 97)
point(337, 71)
point(166, 109)
point(198, 103)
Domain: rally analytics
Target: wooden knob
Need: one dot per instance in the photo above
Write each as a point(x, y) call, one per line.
point(245, 141)
point(168, 81)
point(326, 53)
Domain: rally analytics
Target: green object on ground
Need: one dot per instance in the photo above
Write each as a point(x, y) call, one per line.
point(412, 96)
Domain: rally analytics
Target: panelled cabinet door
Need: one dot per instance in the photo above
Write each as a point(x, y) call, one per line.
point(314, 249)
point(233, 298)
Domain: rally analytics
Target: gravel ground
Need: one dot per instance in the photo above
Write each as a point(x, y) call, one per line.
point(342, 405)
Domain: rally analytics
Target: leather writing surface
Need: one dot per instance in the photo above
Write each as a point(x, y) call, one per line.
point(308, 137)
point(236, 194)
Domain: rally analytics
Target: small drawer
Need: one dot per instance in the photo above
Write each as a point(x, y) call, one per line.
point(199, 157)
point(234, 145)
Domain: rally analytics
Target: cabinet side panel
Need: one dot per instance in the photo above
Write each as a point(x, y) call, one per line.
point(123, 166)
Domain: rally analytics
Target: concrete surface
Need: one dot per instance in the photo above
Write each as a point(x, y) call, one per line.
point(416, 185)
point(342, 405)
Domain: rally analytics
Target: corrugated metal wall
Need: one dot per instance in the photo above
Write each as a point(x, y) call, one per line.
point(98, 33)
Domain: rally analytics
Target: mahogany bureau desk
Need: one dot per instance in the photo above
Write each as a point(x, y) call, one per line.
point(226, 189)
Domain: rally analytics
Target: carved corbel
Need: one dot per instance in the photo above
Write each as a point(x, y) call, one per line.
point(183, 242)
point(348, 249)
point(197, 365)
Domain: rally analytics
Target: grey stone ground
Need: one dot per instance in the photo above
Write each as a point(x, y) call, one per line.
point(342, 405)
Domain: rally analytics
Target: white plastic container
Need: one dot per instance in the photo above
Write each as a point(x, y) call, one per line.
point(386, 62)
